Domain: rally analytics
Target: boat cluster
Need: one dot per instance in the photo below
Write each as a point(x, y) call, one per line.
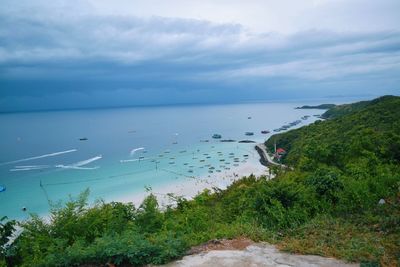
point(291, 124)
point(225, 163)
point(218, 136)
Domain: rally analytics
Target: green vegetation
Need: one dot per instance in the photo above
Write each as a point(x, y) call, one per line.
point(327, 205)
point(322, 106)
point(340, 110)
point(6, 230)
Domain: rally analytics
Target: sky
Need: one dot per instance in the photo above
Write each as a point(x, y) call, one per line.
point(97, 53)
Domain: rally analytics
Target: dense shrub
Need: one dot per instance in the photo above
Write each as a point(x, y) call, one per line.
point(326, 183)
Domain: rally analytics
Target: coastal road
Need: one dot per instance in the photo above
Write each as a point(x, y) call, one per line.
point(264, 154)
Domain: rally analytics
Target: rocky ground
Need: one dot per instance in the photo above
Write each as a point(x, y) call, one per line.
point(243, 253)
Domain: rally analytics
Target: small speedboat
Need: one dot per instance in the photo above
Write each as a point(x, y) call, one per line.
point(249, 133)
point(83, 139)
point(264, 131)
point(217, 136)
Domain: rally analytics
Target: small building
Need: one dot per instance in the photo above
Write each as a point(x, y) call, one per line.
point(280, 151)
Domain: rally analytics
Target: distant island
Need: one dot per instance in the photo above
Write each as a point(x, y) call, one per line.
point(322, 106)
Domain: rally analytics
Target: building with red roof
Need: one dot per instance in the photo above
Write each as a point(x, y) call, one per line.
point(280, 151)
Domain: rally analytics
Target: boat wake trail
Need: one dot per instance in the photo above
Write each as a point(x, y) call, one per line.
point(39, 157)
point(133, 151)
point(29, 168)
point(76, 168)
point(86, 162)
point(132, 160)
point(78, 165)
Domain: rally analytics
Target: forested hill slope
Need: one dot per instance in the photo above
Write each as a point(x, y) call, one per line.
point(361, 133)
point(340, 110)
point(351, 162)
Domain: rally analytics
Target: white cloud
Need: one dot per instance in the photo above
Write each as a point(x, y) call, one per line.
point(167, 46)
point(283, 16)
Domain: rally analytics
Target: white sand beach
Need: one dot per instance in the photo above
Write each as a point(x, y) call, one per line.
point(192, 186)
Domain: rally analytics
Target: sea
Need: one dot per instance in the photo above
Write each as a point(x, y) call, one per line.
point(48, 158)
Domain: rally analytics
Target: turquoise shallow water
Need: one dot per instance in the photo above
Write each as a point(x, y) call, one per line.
point(168, 142)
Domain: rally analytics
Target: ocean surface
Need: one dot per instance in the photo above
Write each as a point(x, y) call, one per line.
point(48, 157)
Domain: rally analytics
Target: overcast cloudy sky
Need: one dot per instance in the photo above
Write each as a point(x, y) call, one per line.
point(74, 54)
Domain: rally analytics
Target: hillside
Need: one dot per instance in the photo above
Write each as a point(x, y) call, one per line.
point(352, 132)
point(340, 110)
point(341, 199)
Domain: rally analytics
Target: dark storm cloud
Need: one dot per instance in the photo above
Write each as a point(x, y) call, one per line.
point(92, 60)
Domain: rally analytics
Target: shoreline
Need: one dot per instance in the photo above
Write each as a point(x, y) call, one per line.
point(190, 187)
